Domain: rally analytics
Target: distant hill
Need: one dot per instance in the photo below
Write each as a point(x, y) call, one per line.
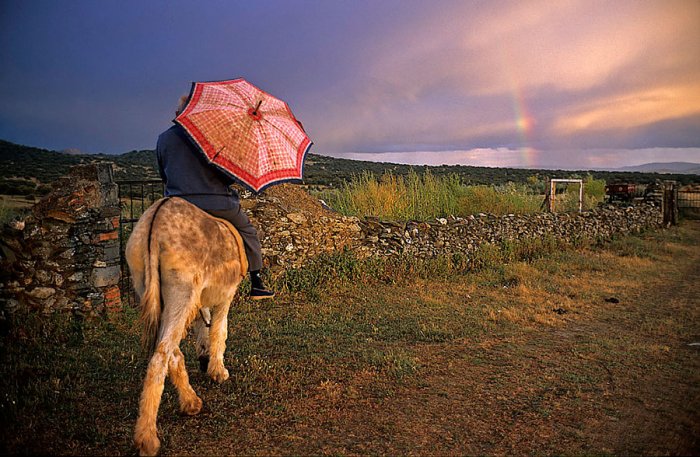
point(25, 170)
point(666, 168)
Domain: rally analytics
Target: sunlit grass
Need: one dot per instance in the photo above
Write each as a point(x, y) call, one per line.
point(13, 207)
point(394, 197)
point(6, 213)
point(425, 196)
point(507, 199)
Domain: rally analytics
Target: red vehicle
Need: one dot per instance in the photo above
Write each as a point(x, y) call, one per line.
point(625, 192)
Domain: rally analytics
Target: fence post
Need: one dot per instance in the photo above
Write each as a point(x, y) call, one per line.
point(670, 203)
point(552, 194)
point(135, 197)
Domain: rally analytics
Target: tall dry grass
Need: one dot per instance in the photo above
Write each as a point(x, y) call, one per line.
point(395, 197)
point(426, 196)
point(507, 199)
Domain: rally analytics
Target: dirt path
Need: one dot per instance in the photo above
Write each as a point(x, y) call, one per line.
point(619, 379)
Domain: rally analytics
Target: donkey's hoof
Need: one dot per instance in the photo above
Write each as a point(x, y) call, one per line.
point(203, 363)
point(219, 375)
point(192, 407)
point(147, 444)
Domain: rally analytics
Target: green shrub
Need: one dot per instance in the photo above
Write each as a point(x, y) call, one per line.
point(594, 188)
point(7, 213)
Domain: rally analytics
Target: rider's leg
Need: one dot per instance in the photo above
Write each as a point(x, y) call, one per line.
point(253, 250)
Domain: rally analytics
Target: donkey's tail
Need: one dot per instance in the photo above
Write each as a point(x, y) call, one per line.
point(151, 306)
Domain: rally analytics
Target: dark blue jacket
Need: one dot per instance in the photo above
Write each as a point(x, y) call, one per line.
point(189, 175)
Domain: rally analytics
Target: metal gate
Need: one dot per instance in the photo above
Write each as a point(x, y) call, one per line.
point(134, 198)
point(689, 201)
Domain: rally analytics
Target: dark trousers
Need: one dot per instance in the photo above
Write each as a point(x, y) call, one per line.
point(240, 220)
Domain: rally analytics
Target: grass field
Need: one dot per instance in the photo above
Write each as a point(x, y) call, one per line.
point(581, 351)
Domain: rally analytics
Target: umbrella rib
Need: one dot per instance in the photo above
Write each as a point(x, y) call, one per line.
point(233, 136)
point(290, 139)
point(217, 153)
point(262, 131)
point(241, 95)
point(235, 106)
point(228, 89)
point(266, 139)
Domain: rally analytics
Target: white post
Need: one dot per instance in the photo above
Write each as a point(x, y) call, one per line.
point(553, 190)
point(552, 193)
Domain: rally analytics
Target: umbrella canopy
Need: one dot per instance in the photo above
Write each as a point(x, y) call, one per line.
point(245, 131)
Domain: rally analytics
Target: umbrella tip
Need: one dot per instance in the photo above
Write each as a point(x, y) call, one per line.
point(253, 112)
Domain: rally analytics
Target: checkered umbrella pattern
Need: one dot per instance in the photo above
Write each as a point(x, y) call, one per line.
point(247, 132)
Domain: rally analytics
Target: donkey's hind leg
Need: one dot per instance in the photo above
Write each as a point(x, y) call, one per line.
point(145, 434)
point(190, 403)
point(217, 342)
point(177, 300)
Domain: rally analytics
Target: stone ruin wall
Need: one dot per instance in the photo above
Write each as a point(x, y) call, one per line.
point(65, 254)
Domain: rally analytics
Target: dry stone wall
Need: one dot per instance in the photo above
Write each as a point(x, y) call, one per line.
point(294, 228)
point(65, 254)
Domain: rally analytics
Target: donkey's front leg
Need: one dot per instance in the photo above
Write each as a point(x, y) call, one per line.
point(217, 343)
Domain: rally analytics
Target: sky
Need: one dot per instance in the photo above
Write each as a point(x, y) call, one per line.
point(532, 83)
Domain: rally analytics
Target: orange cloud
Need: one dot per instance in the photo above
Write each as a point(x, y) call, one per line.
point(633, 109)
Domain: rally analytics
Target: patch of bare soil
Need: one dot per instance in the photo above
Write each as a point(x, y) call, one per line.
point(621, 379)
point(290, 198)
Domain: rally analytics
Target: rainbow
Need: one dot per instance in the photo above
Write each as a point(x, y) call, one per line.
point(525, 123)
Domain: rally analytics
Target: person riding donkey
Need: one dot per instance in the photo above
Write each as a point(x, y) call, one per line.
point(188, 175)
point(188, 255)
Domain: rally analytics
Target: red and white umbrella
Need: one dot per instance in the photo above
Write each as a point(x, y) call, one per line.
point(247, 132)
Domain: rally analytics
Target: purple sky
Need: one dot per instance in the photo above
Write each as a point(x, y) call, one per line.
point(566, 83)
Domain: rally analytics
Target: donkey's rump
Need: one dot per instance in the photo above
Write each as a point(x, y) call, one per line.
point(187, 239)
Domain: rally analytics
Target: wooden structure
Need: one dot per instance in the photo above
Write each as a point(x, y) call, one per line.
point(553, 192)
point(669, 204)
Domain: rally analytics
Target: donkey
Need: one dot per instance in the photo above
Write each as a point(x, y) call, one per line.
point(185, 264)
